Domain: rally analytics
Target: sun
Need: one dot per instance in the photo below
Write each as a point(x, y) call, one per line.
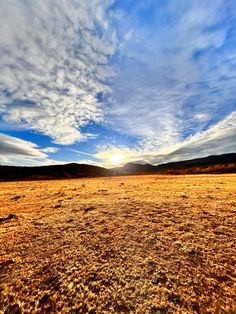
point(116, 159)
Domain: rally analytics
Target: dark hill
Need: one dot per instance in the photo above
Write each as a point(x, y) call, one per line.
point(72, 170)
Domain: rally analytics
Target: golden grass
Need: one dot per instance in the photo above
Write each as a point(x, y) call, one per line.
point(139, 244)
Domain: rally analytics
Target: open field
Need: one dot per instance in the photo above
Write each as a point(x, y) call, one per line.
point(138, 244)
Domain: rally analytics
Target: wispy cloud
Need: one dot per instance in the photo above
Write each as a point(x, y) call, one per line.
point(54, 63)
point(79, 152)
point(49, 150)
point(217, 139)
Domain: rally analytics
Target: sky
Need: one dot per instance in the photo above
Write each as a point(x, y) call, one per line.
point(151, 81)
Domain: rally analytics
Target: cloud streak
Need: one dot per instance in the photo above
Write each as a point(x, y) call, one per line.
point(15, 151)
point(10, 145)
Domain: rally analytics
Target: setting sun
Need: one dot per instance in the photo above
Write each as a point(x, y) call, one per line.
point(116, 159)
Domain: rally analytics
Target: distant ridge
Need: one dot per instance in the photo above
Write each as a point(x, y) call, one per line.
point(203, 163)
point(225, 163)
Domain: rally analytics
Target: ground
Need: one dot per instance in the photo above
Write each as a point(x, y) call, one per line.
point(135, 244)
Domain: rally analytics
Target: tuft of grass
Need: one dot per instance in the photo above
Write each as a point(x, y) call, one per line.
point(62, 192)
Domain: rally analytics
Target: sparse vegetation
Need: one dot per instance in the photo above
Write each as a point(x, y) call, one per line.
point(135, 244)
point(214, 169)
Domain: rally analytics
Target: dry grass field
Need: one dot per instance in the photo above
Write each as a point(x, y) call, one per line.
point(139, 244)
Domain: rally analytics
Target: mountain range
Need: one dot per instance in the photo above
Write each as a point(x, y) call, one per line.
point(225, 163)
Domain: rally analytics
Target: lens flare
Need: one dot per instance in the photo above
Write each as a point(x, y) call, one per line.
point(116, 159)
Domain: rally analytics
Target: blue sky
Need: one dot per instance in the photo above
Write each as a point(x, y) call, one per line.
point(80, 81)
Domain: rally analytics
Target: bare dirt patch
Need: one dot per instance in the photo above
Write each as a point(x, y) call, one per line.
point(138, 244)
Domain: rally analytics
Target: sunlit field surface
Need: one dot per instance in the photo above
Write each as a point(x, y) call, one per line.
point(138, 244)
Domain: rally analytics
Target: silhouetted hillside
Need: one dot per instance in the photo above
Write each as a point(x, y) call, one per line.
point(72, 170)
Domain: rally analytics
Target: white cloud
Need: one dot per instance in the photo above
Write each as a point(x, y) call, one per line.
point(49, 150)
point(201, 117)
point(54, 62)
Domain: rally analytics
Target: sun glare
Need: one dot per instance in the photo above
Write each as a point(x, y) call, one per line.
point(116, 159)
